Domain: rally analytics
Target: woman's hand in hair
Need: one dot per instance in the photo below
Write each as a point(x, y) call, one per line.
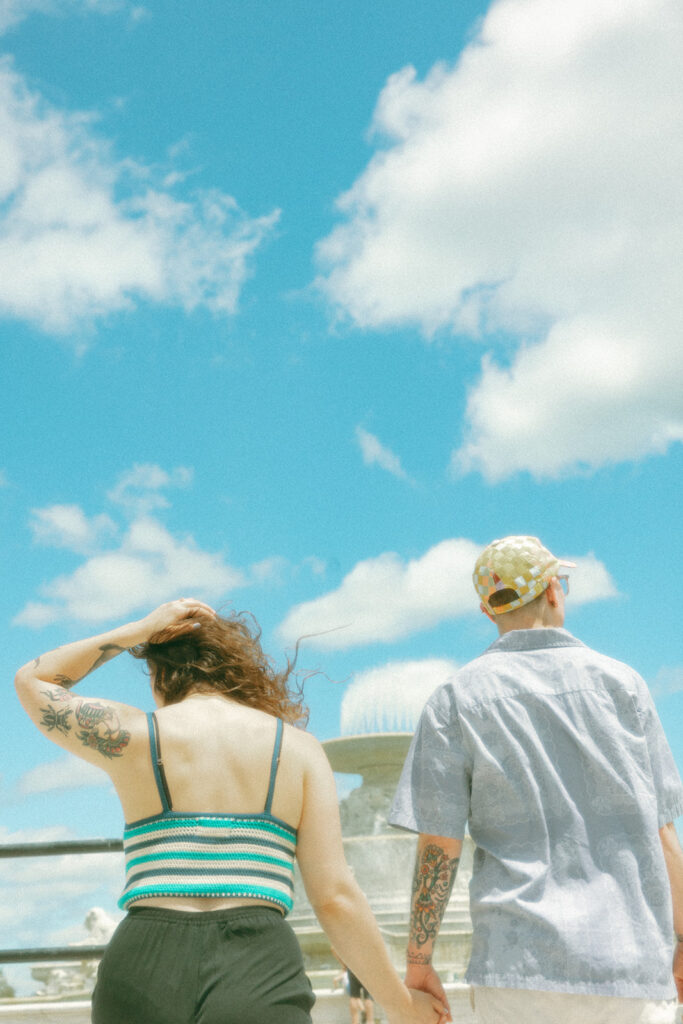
point(174, 618)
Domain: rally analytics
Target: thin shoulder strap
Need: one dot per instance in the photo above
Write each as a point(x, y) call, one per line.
point(157, 763)
point(274, 765)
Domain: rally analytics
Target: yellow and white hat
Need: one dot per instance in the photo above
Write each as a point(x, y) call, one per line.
point(519, 564)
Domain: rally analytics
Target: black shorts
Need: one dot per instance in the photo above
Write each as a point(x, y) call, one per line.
point(356, 989)
point(237, 966)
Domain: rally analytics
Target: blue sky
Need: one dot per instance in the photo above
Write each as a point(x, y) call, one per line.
point(300, 308)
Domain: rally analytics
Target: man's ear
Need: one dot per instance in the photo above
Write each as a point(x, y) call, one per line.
point(550, 594)
point(487, 613)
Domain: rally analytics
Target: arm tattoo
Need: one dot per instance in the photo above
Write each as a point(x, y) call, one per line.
point(432, 885)
point(56, 718)
point(101, 729)
point(65, 681)
point(58, 695)
point(107, 652)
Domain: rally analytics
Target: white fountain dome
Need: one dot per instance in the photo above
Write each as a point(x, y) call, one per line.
point(379, 713)
point(391, 698)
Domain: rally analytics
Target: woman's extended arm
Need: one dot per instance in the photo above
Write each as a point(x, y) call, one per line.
point(340, 905)
point(95, 729)
point(673, 855)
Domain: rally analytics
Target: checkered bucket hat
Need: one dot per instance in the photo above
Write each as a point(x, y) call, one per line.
point(519, 564)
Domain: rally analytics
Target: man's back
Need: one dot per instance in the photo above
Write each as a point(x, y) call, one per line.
point(553, 755)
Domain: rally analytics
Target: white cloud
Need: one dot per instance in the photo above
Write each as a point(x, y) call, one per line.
point(534, 189)
point(384, 598)
point(67, 526)
point(14, 11)
point(63, 773)
point(668, 680)
point(83, 235)
point(139, 489)
point(318, 566)
point(390, 698)
point(587, 395)
point(150, 566)
point(589, 581)
point(49, 834)
point(130, 568)
point(36, 614)
point(270, 570)
point(34, 890)
point(375, 453)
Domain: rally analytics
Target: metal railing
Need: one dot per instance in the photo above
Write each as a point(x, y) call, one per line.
point(56, 953)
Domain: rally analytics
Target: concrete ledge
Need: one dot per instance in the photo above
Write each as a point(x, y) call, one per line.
point(39, 1012)
point(332, 1007)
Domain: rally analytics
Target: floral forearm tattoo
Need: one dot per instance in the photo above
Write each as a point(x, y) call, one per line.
point(432, 885)
point(99, 726)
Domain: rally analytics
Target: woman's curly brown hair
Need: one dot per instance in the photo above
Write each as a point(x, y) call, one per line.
point(222, 656)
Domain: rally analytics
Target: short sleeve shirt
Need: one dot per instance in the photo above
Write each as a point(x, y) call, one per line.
point(554, 756)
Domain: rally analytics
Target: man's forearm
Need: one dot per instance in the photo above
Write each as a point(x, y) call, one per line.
point(436, 865)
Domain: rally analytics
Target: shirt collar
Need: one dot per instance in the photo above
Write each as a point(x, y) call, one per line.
point(533, 640)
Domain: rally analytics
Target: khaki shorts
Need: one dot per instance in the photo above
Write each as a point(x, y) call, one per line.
point(522, 1006)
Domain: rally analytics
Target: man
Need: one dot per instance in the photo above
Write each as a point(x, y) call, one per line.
point(554, 756)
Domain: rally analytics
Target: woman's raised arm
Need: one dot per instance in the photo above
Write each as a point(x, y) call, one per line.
point(95, 729)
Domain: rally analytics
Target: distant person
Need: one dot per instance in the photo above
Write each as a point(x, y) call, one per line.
point(554, 756)
point(219, 797)
point(361, 1003)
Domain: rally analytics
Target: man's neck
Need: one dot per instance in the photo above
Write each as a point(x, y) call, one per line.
point(553, 620)
point(503, 628)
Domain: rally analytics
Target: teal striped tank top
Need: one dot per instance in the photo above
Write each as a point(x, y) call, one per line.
point(175, 853)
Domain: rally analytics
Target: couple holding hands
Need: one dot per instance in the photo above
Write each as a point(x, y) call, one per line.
point(551, 753)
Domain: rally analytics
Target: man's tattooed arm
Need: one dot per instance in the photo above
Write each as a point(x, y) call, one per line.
point(432, 886)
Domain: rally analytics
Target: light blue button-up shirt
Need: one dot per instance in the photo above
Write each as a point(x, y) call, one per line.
point(556, 758)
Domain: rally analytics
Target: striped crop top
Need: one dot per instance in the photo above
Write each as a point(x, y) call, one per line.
point(176, 853)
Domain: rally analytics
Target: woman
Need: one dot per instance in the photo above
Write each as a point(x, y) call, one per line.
point(219, 797)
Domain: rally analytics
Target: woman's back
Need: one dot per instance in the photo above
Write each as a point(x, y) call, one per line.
point(217, 758)
point(219, 797)
point(212, 800)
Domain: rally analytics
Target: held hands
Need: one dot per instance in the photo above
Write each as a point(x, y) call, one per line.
point(422, 1009)
point(428, 999)
point(424, 979)
point(174, 618)
point(427, 1009)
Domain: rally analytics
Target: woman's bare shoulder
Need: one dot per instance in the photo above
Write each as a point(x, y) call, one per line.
point(303, 743)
